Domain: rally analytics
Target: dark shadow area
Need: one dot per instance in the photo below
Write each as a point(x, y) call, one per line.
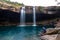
point(14, 17)
point(9, 16)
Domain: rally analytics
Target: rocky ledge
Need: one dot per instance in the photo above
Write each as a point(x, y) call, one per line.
point(51, 34)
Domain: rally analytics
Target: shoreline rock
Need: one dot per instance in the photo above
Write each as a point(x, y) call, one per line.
point(49, 37)
point(51, 34)
point(50, 31)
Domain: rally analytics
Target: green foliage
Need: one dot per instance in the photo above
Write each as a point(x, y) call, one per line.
point(9, 2)
point(41, 8)
point(15, 3)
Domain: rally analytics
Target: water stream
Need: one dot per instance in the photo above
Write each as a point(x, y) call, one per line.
point(34, 16)
point(22, 18)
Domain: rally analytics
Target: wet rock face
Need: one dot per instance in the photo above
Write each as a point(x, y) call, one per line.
point(29, 9)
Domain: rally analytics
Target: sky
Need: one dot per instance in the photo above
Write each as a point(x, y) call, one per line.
point(37, 2)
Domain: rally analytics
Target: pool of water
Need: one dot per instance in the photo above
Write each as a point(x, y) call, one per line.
point(20, 33)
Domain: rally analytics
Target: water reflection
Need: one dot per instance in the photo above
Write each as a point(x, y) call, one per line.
point(20, 33)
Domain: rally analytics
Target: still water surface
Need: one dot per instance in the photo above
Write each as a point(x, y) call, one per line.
point(20, 33)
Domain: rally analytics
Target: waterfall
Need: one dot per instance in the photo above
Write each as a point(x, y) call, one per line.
point(22, 17)
point(34, 16)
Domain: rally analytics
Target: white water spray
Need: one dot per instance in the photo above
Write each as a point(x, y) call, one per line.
point(34, 16)
point(22, 18)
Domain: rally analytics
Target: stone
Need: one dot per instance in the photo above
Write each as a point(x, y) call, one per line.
point(58, 37)
point(50, 31)
point(58, 25)
point(49, 37)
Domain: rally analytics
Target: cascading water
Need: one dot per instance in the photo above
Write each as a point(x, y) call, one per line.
point(22, 18)
point(34, 16)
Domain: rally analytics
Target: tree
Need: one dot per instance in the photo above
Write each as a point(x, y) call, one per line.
point(7, 0)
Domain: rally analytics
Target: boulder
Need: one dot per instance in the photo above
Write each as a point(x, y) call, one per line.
point(58, 37)
point(49, 37)
point(50, 31)
point(58, 24)
point(51, 34)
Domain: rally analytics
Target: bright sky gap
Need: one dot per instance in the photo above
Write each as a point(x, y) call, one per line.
point(38, 2)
